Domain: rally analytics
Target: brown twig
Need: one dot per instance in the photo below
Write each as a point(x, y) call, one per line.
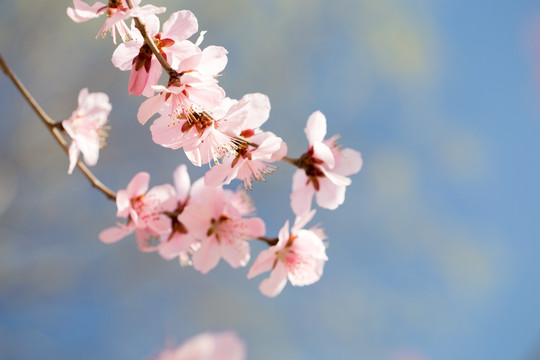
point(291, 161)
point(152, 45)
point(269, 241)
point(55, 130)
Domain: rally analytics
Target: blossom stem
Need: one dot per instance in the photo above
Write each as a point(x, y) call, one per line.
point(59, 126)
point(55, 129)
point(150, 42)
point(269, 241)
point(294, 162)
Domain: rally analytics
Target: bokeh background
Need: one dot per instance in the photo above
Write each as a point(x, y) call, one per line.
point(434, 255)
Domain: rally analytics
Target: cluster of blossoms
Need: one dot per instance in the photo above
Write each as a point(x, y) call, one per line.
point(201, 223)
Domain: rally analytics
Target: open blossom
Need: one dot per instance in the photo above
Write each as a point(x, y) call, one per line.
point(116, 12)
point(208, 346)
point(85, 127)
point(255, 150)
point(298, 256)
point(195, 89)
point(323, 169)
point(137, 56)
point(180, 241)
point(218, 219)
point(145, 212)
point(203, 136)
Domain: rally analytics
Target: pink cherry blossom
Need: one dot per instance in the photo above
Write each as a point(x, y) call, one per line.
point(203, 136)
point(218, 219)
point(180, 241)
point(194, 91)
point(298, 256)
point(208, 346)
point(116, 12)
point(145, 212)
point(136, 55)
point(323, 169)
point(86, 127)
point(255, 149)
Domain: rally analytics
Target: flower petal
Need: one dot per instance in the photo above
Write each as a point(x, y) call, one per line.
point(273, 285)
point(316, 127)
point(207, 257)
point(180, 26)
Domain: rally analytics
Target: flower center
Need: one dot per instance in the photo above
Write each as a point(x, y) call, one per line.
point(310, 164)
point(144, 58)
point(215, 226)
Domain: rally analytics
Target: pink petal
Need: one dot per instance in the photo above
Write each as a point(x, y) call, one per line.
point(138, 79)
point(336, 178)
point(73, 156)
point(90, 151)
point(229, 347)
point(302, 220)
point(161, 225)
point(254, 227)
point(309, 258)
point(182, 183)
point(180, 51)
point(150, 20)
point(323, 152)
point(207, 257)
point(213, 60)
point(263, 263)
point(236, 254)
point(149, 107)
point(146, 240)
point(283, 236)
point(208, 346)
point(302, 193)
point(83, 94)
point(191, 62)
point(153, 78)
point(200, 38)
point(124, 54)
point(138, 185)
point(258, 108)
point(180, 26)
point(145, 10)
point(348, 162)
point(170, 248)
point(273, 285)
point(268, 147)
point(93, 105)
point(207, 95)
point(316, 128)
point(308, 243)
point(282, 152)
point(122, 203)
point(113, 234)
point(330, 195)
point(84, 12)
point(221, 174)
point(168, 133)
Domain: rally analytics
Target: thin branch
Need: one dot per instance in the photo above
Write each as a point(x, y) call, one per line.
point(269, 241)
point(152, 45)
point(291, 161)
point(55, 130)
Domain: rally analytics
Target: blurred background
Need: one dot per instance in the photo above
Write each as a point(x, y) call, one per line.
point(434, 255)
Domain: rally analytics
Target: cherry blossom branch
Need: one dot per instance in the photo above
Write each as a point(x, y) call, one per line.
point(294, 162)
point(152, 45)
point(269, 241)
point(55, 129)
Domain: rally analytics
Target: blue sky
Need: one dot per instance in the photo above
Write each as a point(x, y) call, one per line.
point(434, 252)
